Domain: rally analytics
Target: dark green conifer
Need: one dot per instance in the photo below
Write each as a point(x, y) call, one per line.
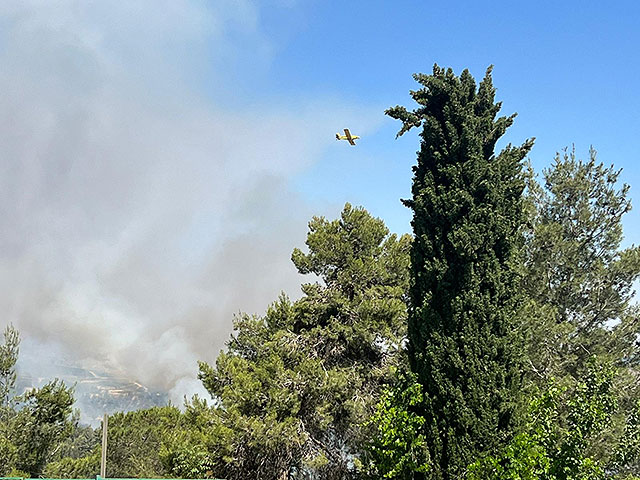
point(468, 218)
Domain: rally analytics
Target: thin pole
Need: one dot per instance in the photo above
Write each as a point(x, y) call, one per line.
point(103, 463)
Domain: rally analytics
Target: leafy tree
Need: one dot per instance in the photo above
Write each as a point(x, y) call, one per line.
point(81, 467)
point(399, 448)
point(294, 389)
point(159, 442)
point(135, 440)
point(188, 451)
point(82, 441)
point(468, 218)
point(32, 425)
point(42, 423)
point(626, 458)
point(8, 358)
point(580, 282)
point(154, 443)
point(78, 455)
point(554, 448)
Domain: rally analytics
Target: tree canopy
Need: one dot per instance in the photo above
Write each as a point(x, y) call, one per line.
point(32, 425)
point(468, 219)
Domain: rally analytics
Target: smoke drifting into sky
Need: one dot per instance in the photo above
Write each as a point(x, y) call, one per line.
point(137, 216)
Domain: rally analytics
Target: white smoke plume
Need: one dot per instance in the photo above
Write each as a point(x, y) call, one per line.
point(137, 216)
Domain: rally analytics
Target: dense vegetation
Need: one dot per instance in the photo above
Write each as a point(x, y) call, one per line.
point(500, 341)
point(468, 223)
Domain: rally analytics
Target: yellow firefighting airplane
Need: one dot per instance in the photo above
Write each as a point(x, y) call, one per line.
point(347, 136)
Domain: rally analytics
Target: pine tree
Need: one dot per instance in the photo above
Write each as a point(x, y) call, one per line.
point(468, 218)
point(296, 387)
point(577, 269)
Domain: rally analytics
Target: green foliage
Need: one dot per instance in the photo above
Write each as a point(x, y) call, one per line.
point(522, 459)
point(295, 387)
point(135, 439)
point(468, 217)
point(33, 426)
point(580, 283)
point(190, 461)
point(398, 449)
point(82, 467)
point(554, 448)
point(43, 421)
point(187, 451)
point(154, 443)
point(82, 441)
point(7, 453)
point(627, 454)
point(8, 357)
point(576, 269)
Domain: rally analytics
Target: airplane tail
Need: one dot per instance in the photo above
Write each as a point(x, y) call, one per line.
point(337, 136)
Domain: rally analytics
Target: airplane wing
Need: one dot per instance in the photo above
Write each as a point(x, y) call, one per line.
point(349, 137)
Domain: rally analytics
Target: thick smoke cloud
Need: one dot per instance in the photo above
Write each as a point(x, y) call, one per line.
point(136, 215)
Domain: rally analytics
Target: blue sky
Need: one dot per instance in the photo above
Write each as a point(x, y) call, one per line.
point(570, 70)
point(161, 158)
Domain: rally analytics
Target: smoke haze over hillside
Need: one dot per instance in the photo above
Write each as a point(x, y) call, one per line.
point(137, 214)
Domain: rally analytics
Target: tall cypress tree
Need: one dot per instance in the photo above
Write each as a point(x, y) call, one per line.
point(467, 220)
